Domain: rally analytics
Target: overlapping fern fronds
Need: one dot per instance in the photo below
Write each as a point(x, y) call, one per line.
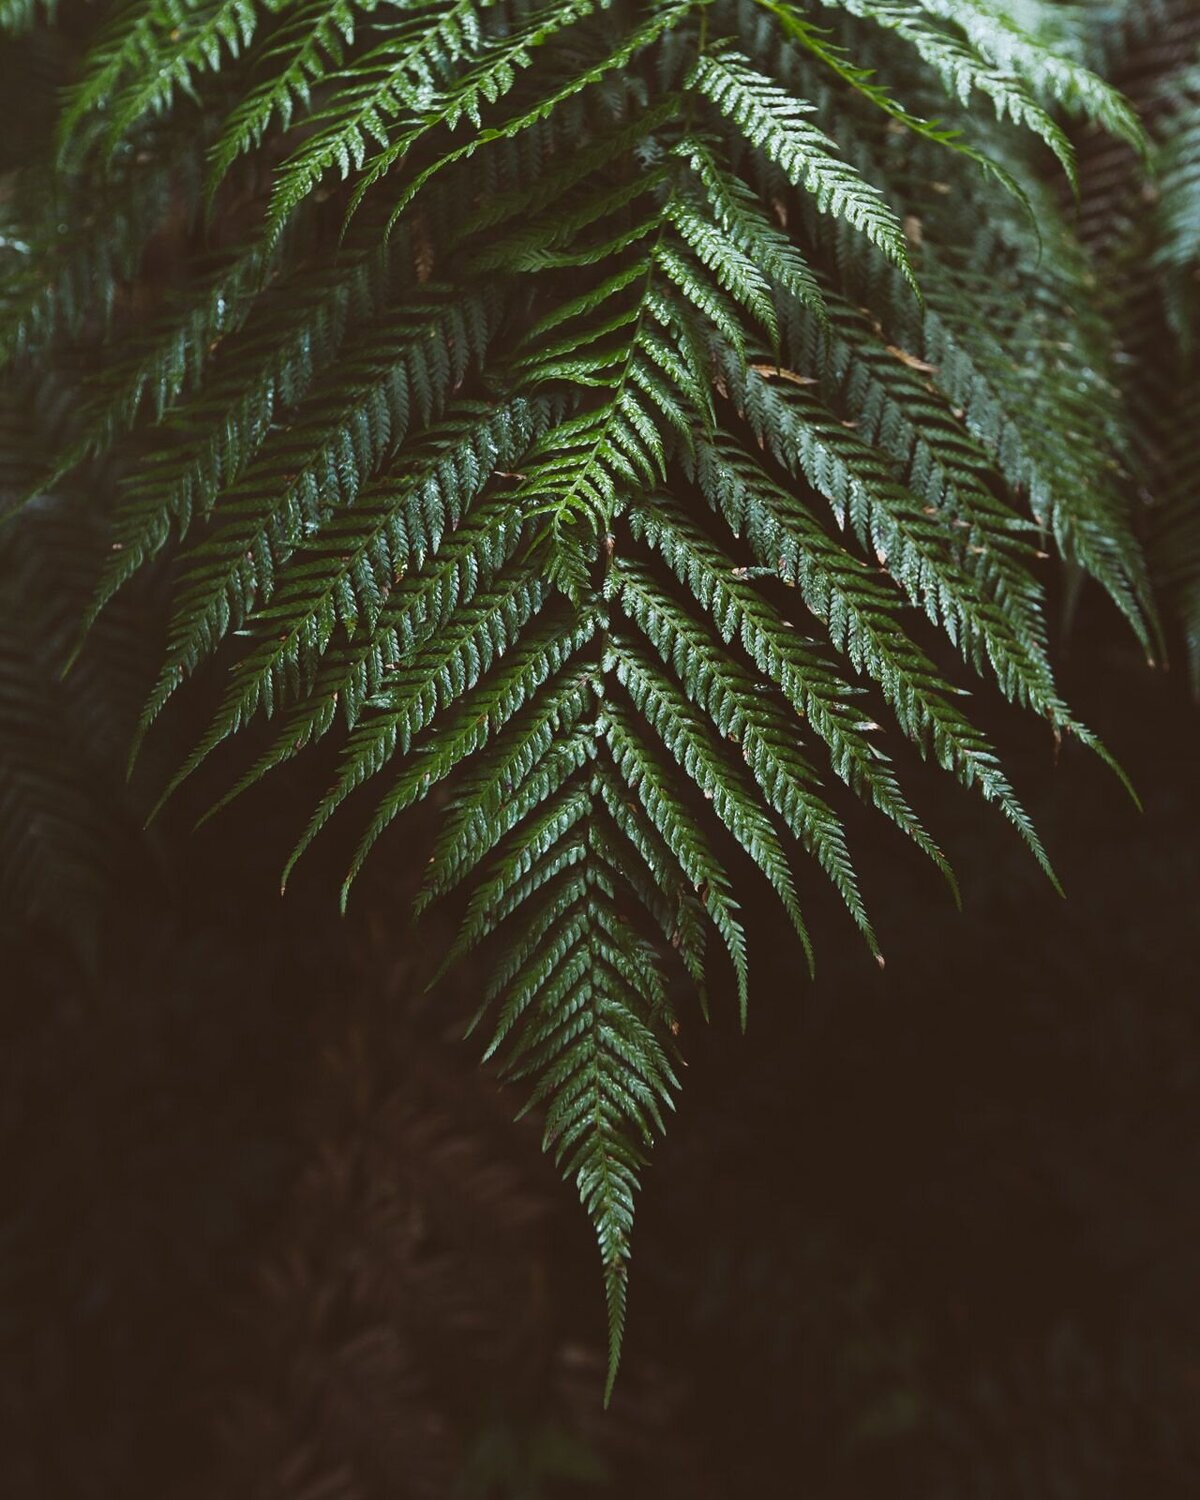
point(644, 418)
point(1148, 241)
point(1169, 427)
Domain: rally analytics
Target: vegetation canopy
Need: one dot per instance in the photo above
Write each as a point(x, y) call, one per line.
point(630, 425)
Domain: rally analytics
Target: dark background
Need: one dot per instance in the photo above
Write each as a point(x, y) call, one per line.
point(268, 1230)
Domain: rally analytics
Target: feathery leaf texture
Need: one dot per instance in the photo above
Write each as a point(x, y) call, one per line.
point(637, 421)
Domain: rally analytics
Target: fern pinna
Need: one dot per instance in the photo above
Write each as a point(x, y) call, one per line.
point(601, 409)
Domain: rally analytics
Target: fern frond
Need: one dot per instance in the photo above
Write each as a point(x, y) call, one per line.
point(399, 92)
point(480, 814)
point(338, 443)
point(187, 40)
point(265, 370)
point(1176, 226)
point(427, 680)
point(775, 122)
point(963, 68)
point(353, 591)
point(306, 50)
point(997, 37)
point(1042, 415)
point(857, 611)
point(815, 692)
point(910, 546)
point(767, 738)
point(587, 1025)
point(591, 76)
point(745, 229)
point(171, 361)
point(419, 349)
point(690, 743)
point(643, 773)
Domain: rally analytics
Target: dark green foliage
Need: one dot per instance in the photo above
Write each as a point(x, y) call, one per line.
point(1149, 238)
point(513, 371)
point(67, 821)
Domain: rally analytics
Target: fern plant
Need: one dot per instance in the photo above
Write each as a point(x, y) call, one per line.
point(632, 421)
